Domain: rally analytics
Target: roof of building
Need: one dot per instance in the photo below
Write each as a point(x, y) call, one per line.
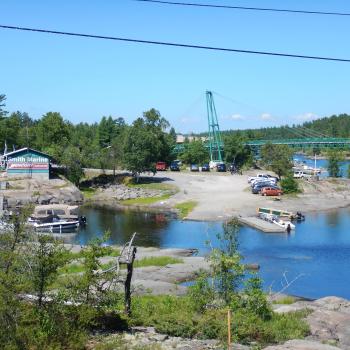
point(26, 149)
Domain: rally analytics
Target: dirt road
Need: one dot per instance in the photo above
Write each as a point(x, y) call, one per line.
point(222, 195)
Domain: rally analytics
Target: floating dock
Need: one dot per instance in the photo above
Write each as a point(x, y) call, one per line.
point(261, 225)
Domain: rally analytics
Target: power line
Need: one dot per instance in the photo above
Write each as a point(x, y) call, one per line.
point(151, 42)
point(245, 8)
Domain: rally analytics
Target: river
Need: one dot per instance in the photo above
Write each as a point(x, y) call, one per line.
point(318, 251)
point(322, 163)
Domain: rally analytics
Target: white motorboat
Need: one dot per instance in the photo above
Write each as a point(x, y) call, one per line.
point(283, 223)
point(54, 224)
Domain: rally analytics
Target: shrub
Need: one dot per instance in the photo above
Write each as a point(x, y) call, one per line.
point(289, 185)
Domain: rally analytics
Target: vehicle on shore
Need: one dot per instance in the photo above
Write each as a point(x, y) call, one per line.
point(174, 166)
point(301, 175)
point(205, 167)
point(262, 177)
point(259, 186)
point(221, 167)
point(194, 167)
point(161, 166)
point(271, 191)
point(263, 180)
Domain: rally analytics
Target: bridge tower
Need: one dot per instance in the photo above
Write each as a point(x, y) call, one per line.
point(214, 139)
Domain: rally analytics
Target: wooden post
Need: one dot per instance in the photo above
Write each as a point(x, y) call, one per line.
point(130, 263)
point(228, 329)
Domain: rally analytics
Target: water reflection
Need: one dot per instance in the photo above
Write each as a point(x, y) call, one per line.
point(319, 248)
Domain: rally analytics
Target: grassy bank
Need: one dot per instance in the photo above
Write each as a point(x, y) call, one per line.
point(77, 267)
point(146, 200)
point(185, 208)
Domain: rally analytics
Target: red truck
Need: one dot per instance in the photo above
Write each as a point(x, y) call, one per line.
point(161, 166)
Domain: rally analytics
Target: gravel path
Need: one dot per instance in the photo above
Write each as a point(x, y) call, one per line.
point(222, 195)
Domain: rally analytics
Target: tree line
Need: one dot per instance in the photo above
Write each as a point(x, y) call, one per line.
point(108, 144)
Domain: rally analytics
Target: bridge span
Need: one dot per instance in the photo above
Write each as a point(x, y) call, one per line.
point(302, 143)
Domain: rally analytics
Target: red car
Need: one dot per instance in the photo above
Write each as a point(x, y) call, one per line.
point(160, 166)
point(271, 191)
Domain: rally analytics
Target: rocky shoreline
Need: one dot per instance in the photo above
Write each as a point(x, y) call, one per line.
point(329, 322)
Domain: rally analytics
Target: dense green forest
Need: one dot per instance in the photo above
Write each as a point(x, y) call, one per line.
point(334, 126)
point(112, 143)
point(106, 144)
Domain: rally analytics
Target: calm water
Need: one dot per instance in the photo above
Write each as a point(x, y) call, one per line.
point(323, 163)
point(319, 249)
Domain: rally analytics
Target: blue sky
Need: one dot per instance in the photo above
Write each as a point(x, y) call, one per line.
point(85, 79)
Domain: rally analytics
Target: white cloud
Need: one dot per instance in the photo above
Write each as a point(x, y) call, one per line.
point(237, 117)
point(306, 117)
point(266, 117)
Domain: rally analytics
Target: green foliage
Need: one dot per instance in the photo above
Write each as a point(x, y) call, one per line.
point(236, 152)
point(333, 126)
point(48, 255)
point(157, 261)
point(225, 262)
point(195, 153)
point(180, 316)
point(348, 172)
point(289, 184)
point(278, 158)
point(2, 104)
point(334, 159)
point(146, 142)
point(185, 208)
point(72, 159)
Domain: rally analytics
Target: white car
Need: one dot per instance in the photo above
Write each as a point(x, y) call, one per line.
point(258, 176)
point(269, 180)
point(301, 175)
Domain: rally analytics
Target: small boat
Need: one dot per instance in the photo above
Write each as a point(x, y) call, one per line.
point(287, 225)
point(282, 213)
point(62, 212)
point(275, 219)
point(54, 224)
point(276, 212)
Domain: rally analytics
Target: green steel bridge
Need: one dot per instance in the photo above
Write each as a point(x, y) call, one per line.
point(301, 143)
point(306, 138)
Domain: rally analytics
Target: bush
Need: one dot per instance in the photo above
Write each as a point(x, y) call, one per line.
point(289, 185)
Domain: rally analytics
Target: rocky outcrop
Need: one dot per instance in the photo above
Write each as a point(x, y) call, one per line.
point(25, 191)
point(121, 192)
point(148, 338)
point(299, 344)
point(329, 320)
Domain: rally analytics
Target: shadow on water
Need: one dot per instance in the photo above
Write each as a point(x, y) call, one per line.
point(319, 249)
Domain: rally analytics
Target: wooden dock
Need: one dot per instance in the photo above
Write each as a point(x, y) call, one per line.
point(261, 225)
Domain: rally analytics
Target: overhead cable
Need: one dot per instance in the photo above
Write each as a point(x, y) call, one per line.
point(245, 8)
point(163, 43)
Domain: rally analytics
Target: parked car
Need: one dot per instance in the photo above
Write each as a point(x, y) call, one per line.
point(205, 167)
point(221, 167)
point(174, 166)
point(301, 174)
point(194, 167)
point(260, 177)
point(258, 187)
point(265, 180)
point(160, 166)
point(271, 191)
